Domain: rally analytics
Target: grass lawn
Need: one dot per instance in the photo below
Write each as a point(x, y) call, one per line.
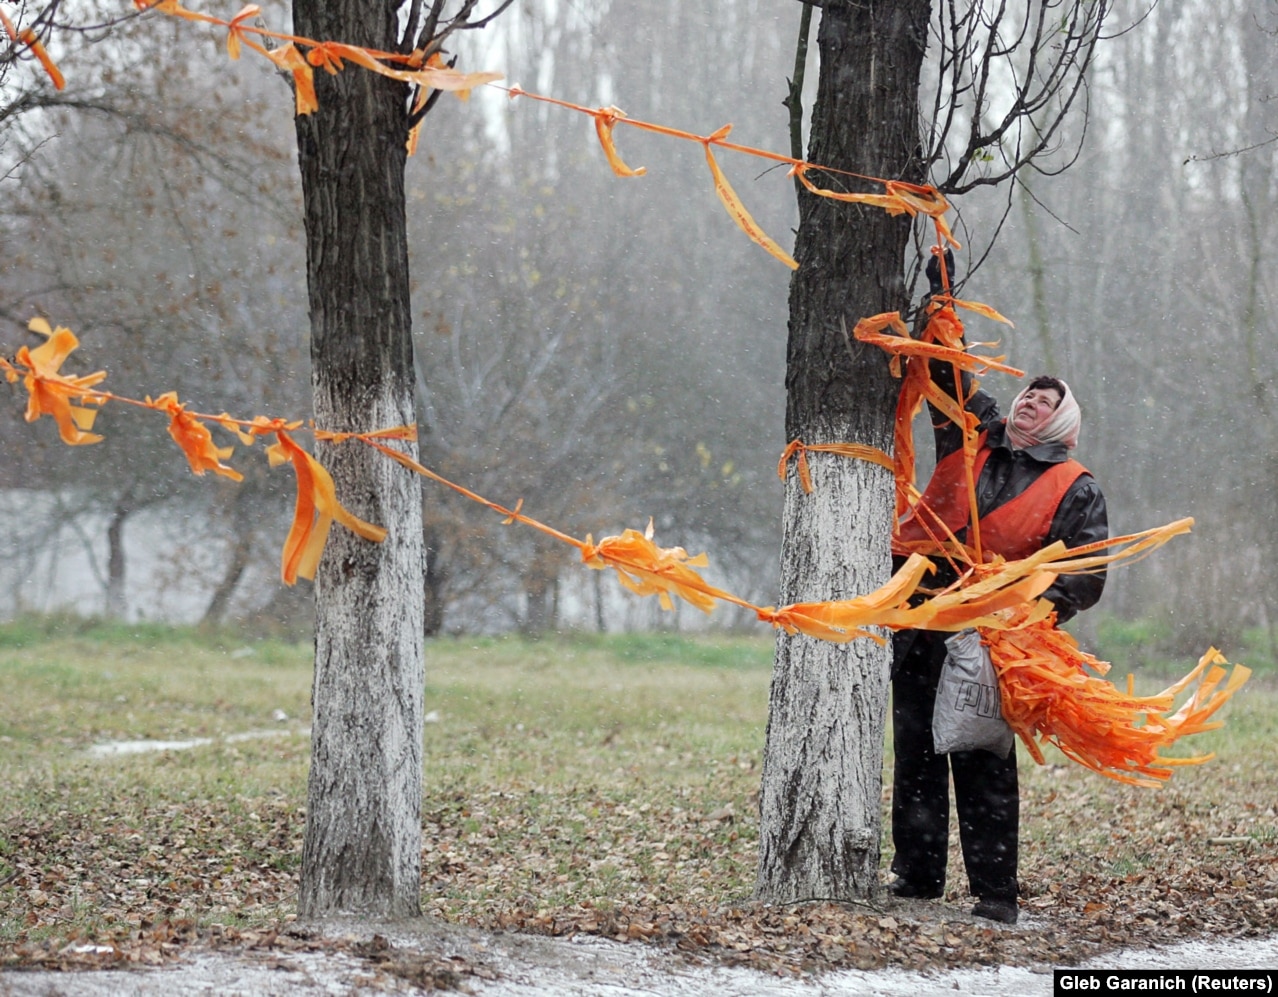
point(590, 784)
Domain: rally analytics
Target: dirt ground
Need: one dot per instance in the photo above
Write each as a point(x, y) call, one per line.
point(426, 955)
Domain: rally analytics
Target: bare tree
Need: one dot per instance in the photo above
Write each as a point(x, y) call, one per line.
point(605, 349)
point(362, 843)
point(1004, 84)
point(112, 192)
point(362, 848)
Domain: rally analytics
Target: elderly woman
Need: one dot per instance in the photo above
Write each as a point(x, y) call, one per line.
point(1029, 494)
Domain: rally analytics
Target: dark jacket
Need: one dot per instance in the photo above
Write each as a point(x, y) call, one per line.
point(1081, 517)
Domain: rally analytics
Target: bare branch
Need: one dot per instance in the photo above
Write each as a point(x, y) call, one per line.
point(1231, 153)
point(1036, 67)
point(431, 26)
point(434, 32)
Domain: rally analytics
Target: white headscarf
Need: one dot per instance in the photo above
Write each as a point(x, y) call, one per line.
point(1061, 426)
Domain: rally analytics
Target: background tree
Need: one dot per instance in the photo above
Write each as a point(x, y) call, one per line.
point(653, 329)
point(137, 227)
point(362, 844)
point(362, 849)
point(1005, 80)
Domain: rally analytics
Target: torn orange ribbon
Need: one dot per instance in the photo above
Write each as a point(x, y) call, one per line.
point(870, 330)
point(330, 56)
point(51, 393)
point(860, 451)
point(984, 602)
point(436, 62)
point(315, 509)
point(849, 619)
point(605, 120)
point(1049, 697)
point(194, 438)
point(898, 198)
point(290, 60)
point(736, 209)
point(997, 595)
point(646, 569)
point(983, 597)
point(32, 41)
point(235, 28)
point(942, 340)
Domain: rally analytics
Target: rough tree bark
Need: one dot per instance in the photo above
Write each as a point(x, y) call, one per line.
point(362, 848)
point(822, 768)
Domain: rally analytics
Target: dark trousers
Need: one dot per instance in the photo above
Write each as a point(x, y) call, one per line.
point(986, 794)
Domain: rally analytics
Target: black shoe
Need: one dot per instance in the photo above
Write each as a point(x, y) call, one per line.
point(908, 891)
point(1004, 911)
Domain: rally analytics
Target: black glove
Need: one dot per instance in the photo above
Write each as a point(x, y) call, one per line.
point(934, 271)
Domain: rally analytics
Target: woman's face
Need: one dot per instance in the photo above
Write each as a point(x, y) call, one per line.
point(1035, 408)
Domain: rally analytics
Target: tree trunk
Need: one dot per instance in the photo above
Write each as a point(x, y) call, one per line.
point(241, 554)
point(539, 602)
point(116, 602)
point(601, 621)
point(822, 767)
point(362, 848)
point(541, 591)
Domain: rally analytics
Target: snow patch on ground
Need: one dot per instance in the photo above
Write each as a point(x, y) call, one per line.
point(112, 749)
point(584, 967)
point(616, 973)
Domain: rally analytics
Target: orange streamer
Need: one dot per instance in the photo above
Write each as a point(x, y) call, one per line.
point(982, 596)
point(288, 58)
point(646, 569)
point(52, 393)
point(1049, 697)
point(605, 120)
point(426, 74)
point(32, 41)
point(898, 197)
point(860, 451)
point(314, 512)
point(194, 438)
point(738, 211)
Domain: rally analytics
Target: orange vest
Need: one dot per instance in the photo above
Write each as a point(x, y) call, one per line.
point(1016, 529)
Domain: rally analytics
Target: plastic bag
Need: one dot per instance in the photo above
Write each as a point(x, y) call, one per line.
point(967, 715)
